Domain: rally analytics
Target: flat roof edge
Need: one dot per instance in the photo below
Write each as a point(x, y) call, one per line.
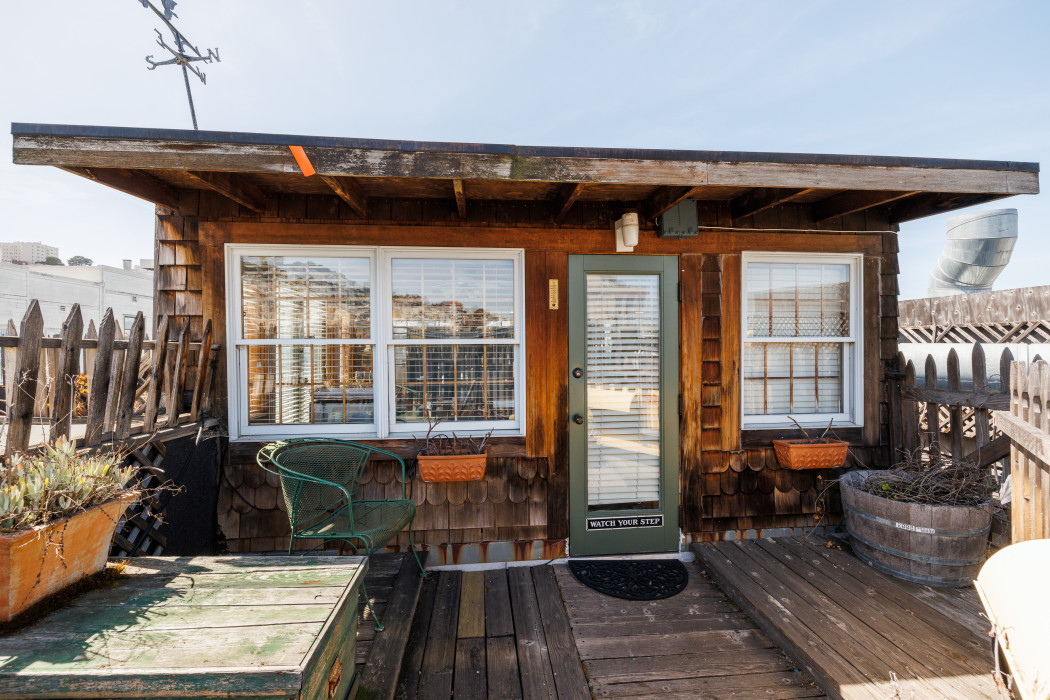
point(246, 138)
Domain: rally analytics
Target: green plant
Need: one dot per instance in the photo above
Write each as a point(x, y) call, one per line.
point(36, 488)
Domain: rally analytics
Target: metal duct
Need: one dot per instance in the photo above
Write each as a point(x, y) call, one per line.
point(978, 248)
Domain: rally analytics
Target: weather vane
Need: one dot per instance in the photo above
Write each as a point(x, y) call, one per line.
point(184, 54)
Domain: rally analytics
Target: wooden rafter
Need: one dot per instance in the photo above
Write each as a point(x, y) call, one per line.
point(759, 199)
point(135, 183)
point(568, 197)
point(349, 191)
point(845, 203)
point(461, 198)
point(232, 187)
point(920, 205)
point(665, 198)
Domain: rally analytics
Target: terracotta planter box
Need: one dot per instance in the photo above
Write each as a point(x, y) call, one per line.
point(36, 563)
point(451, 467)
point(811, 454)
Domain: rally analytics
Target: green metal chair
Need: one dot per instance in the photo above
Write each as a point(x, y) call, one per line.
point(320, 479)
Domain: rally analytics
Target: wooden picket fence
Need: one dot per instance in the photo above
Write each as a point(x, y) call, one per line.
point(130, 387)
point(1026, 424)
point(941, 410)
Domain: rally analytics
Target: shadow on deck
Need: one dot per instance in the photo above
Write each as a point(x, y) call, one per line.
point(811, 612)
point(860, 634)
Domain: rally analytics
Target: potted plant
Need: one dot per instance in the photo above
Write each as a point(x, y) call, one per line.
point(809, 452)
point(925, 519)
point(445, 458)
point(58, 511)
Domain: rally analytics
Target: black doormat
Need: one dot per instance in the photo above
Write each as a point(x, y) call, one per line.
point(635, 579)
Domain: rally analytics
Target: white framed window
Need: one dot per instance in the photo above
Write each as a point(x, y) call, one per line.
point(374, 341)
point(801, 341)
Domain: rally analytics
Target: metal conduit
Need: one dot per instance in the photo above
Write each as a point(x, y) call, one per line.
point(978, 248)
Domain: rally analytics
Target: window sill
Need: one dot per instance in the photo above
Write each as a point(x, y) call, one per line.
point(245, 448)
point(764, 436)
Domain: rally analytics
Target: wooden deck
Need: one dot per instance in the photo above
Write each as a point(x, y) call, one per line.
point(697, 644)
point(860, 634)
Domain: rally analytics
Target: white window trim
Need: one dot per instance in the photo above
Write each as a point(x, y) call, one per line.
point(853, 348)
point(381, 339)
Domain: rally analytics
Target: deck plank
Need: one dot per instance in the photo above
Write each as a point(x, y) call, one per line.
point(439, 658)
point(471, 678)
point(380, 673)
point(569, 679)
point(415, 647)
point(498, 619)
point(537, 677)
point(504, 680)
point(856, 631)
point(472, 605)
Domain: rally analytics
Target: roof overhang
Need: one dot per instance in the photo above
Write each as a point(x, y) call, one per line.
point(156, 164)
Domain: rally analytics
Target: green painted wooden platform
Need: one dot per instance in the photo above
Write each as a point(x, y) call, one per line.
point(236, 626)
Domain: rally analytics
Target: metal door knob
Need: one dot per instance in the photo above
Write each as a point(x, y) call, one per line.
point(577, 419)
point(577, 373)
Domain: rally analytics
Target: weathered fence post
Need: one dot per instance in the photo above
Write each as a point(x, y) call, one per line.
point(115, 367)
point(24, 379)
point(129, 383)
point(955, 409)
point(178, 375)
point(156, 376)
point(933, 410)
point(67, 374)
point(96, 408)
point(199, 386)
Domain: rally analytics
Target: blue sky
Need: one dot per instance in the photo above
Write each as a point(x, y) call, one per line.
point(940, 79)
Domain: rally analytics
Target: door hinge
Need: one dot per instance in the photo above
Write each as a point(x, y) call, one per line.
point(679, 292)
point(681, 406)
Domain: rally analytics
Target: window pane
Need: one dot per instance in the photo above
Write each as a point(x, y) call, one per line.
point(303, 384)
point(797, 300)
point(305, 297)
point(453, 383)
point(792, 378)
point(441, 298)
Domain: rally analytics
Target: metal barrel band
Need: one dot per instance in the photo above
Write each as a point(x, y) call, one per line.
point(916, 528)
point(915, 557)
point(908, 576)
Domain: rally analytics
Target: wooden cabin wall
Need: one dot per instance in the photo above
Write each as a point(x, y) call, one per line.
point(731, 484)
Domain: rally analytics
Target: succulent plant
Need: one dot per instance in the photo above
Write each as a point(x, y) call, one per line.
point(38, 487)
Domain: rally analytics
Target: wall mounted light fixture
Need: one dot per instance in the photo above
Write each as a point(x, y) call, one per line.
point(627, 232)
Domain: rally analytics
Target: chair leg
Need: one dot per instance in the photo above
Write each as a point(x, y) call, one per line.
point(412, 548)
point(368, 602)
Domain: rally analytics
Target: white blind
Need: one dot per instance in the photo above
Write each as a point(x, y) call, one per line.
point(623, 389)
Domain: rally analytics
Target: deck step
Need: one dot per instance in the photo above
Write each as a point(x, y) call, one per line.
point(856, 632)
point(380, 672)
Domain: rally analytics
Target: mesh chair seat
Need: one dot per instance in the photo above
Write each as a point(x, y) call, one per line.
point(375, 523)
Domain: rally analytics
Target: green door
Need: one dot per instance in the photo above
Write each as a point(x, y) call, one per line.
point(623, 404)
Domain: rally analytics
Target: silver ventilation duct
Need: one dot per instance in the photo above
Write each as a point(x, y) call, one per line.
point(978, 248)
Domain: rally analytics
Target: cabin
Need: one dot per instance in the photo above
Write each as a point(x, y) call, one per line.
point(629, 328)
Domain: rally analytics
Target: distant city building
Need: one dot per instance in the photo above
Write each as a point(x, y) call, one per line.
point(127, 290)
point(27, 251)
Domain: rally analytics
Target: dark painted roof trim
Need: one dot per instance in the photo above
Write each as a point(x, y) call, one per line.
point(119, 132)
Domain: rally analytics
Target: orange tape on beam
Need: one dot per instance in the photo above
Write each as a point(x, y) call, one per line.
point(300, 158)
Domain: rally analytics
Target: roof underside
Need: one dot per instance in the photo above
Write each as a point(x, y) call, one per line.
point(157, 164)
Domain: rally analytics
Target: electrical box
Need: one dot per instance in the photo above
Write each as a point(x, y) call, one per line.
point(680, 221)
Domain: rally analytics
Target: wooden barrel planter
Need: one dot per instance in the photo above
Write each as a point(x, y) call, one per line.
point(932, 545)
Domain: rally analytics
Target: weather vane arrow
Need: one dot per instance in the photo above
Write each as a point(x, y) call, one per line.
point(184, 53)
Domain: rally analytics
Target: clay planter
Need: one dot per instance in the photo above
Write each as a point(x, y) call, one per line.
point(811, 454)
point(38, 562)
point(451, 467)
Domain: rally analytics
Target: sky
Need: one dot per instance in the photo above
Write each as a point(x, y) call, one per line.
point(962, 79)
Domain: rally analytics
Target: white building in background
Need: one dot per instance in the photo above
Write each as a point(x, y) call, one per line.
point(26, 251)
point(127, 290)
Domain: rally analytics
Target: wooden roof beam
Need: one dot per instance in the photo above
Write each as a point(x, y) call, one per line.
point(845, 203)
point(921, 205)
point(461, 198)
point(759, 199)
point(568, 196)
point(349, 191)
point(665, 198)
point(135, 183)
point(232, 187)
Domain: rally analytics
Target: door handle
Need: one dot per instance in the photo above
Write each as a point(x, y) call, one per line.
point(577, 419)
point(577, 373)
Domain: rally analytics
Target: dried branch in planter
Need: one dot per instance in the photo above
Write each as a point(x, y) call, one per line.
point(441, 444)
point(941, 481)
